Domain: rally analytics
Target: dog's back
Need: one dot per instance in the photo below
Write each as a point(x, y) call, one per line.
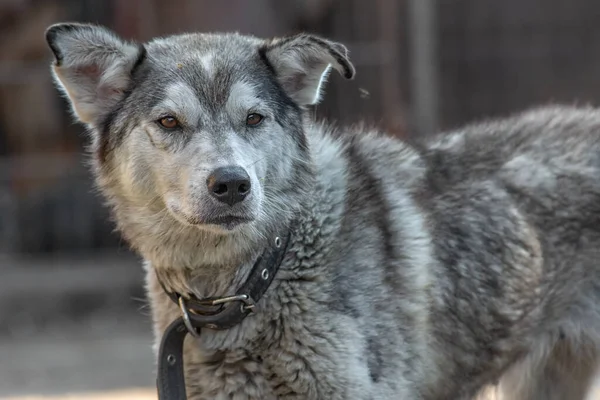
point(517, 203)
point(480, 246)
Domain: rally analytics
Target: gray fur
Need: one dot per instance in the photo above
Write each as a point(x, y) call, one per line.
point(432, 270)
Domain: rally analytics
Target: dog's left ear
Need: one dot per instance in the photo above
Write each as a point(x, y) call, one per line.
point(303, 62)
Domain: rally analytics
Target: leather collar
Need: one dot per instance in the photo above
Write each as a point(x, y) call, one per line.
point(217, 313)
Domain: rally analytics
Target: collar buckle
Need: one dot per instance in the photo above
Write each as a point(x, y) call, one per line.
point(249, 304)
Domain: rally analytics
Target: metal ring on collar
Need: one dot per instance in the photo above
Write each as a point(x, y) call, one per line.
point(186, 317)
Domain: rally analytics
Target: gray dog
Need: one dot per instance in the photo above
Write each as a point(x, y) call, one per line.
point(440, 269)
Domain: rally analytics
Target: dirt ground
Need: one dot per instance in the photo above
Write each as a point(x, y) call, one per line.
point(95, 366)
point(131, 394)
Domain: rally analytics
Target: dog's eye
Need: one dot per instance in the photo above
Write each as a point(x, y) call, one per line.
point(168, 122)
point(254, 119)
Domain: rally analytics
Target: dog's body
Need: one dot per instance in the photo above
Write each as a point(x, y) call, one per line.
point(424, 270)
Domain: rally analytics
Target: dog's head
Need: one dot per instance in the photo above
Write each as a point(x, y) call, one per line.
point(208, 127)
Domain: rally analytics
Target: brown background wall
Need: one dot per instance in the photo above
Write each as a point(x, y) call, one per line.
point(487, 58)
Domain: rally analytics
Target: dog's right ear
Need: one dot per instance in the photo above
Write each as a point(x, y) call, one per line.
point(93, 66)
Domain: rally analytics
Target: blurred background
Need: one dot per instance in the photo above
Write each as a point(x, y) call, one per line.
point(73, 318)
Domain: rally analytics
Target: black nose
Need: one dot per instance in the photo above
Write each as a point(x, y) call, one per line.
point(230, 185)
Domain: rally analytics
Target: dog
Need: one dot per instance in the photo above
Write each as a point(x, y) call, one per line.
point(437, 268)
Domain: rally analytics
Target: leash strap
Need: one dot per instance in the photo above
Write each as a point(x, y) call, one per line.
point(217, 313)
point(170, 381)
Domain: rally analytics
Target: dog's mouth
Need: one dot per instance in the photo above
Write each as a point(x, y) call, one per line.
point(220, 220)
point(228, 222)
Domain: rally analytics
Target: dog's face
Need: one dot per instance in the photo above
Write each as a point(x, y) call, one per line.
point(209, 127)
